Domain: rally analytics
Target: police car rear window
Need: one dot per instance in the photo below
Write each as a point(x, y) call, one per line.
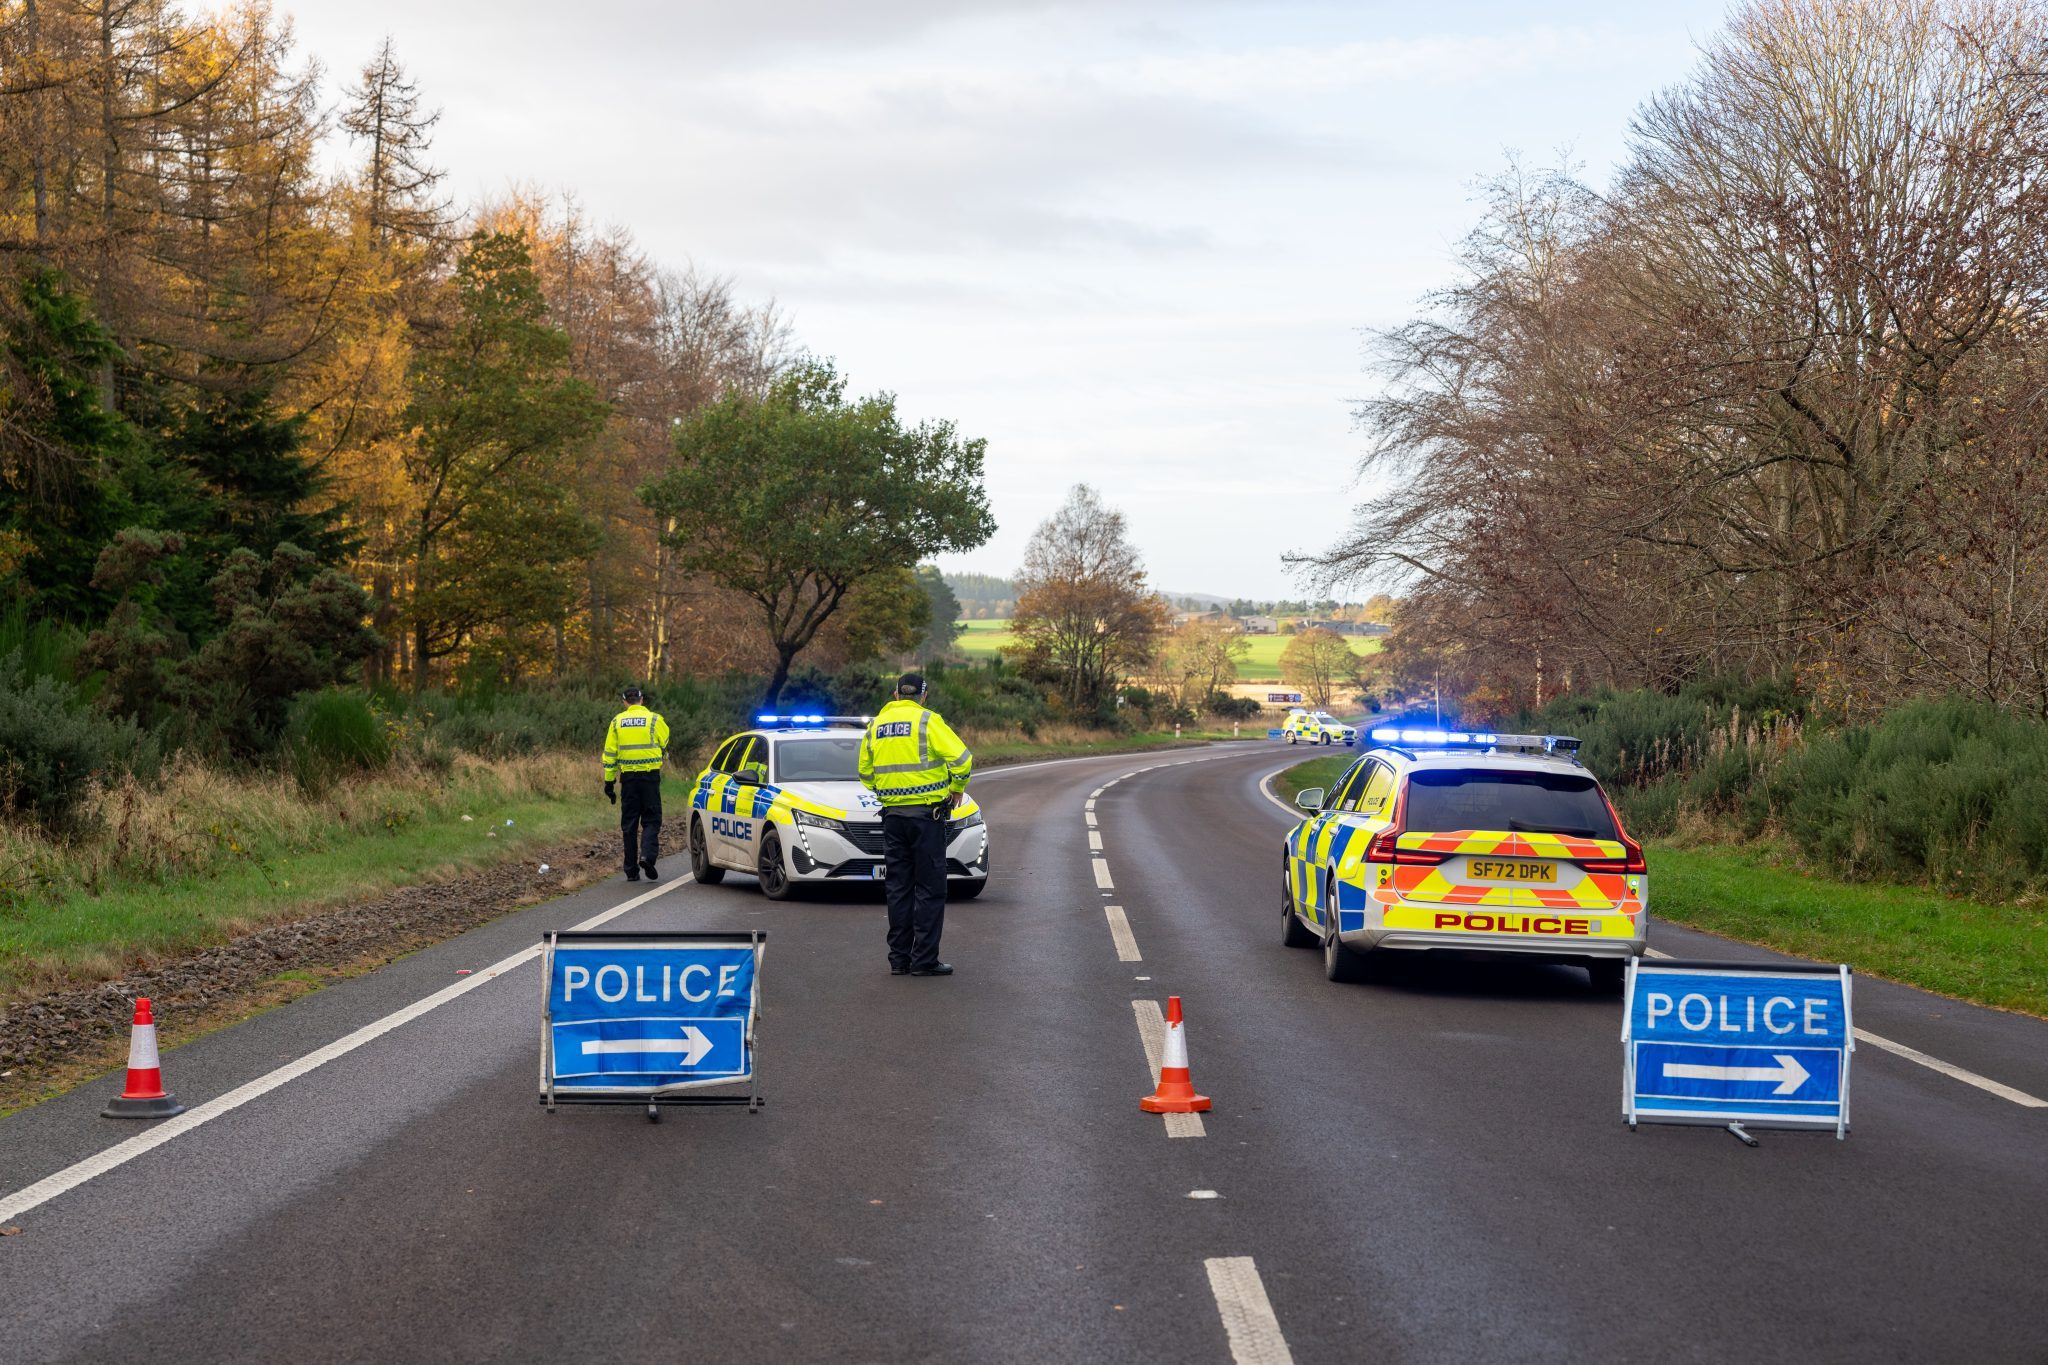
point(826, 758)
point(1477, 798)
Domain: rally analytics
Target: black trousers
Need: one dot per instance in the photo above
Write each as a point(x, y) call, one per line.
point(914, 856)
point(640, 818)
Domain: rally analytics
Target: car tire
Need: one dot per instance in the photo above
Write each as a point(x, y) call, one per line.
point(1293, 933)
point(771, 870)
point(966, 890)
point(1607, 974)
point(1339, 962)
point(1293, 738)
point(1325, 739)
point(702, 869)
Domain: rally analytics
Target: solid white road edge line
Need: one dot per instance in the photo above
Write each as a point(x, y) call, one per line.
point(121, 1153)
point(1120, 932)
point(1247, 1313)
point(1152, 1033)
point(1102, 875)
point(1266, 790)
point(1984, 1083)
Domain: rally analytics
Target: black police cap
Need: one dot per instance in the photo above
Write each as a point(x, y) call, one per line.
point(910, 685)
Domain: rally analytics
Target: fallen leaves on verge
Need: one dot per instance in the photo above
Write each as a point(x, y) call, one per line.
point(10, 1232)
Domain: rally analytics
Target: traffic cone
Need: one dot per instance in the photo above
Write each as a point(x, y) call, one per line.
point(1176, 1093)
point(145, 1096)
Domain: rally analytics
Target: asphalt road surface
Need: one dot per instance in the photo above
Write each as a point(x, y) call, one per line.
point(956, 1169)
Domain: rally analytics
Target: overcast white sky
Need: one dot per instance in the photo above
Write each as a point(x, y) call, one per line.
point(1131, 242)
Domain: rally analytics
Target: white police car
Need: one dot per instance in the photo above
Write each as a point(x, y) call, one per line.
point(784, 801)
point(1443, 839)
point(1317, 727)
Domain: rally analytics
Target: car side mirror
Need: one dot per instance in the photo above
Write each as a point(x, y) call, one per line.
point(1310, 798)
point(756, 773)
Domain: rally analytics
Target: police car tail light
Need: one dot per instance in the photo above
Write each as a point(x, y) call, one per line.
point(1632, 852)
point(1385, 846)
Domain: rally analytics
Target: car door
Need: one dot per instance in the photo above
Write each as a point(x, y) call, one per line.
point(1312, 891)
point(732, 820)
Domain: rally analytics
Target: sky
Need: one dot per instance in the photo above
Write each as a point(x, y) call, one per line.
point(1137, 243)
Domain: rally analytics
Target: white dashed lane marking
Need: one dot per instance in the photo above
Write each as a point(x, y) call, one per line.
point(1095, 840)
point(1152, 1033)
point(1120, 932)
point(1102, 875)
point(1247, 1313)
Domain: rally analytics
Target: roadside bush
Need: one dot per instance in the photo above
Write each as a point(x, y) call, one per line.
point(54, 747)
point(1951, 792)
point(988, 696)
point(333, 732)
point(1233, 708)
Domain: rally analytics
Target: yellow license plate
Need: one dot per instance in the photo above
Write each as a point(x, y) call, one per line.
point(1508, 870)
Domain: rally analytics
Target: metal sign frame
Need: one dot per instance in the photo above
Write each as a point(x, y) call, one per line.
point(672, 1094)
point(1631, 1114)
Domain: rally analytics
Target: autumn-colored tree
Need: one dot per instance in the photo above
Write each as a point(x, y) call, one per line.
point(1086, 619)
point(1319, 662)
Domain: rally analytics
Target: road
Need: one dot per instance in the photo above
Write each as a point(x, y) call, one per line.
point(957, 1170)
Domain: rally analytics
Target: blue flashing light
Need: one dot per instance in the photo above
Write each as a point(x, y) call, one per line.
point(790, 720)
point(1388, 734)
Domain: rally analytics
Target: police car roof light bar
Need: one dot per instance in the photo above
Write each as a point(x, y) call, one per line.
point(1565, 746)
point(812, 720)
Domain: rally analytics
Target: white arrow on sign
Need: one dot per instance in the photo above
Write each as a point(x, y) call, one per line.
point(1787, 1073)
point(693, 1045)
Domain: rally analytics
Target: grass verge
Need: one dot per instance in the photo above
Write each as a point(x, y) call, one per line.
point(1317, 772)
point(288, 863)
point(1991, 954)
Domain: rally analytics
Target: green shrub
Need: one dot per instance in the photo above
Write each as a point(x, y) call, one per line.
point(1952, 792)
point(332, 732)
point(53, 746)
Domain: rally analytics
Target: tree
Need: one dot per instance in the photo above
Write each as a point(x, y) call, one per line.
point(797, 495)
point(1200, 661)
point(398, 179)
point(942, 619)
point(1319, 662)
point(1085, 617)
point(497, 417)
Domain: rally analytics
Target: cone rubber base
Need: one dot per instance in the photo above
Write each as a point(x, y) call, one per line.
point(161, 1107)
point(1175, 1104)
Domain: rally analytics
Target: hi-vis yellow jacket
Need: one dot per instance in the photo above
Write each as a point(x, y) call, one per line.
point(635, 743)
point(910, 757)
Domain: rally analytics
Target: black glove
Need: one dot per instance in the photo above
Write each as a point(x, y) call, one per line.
point(611, 792)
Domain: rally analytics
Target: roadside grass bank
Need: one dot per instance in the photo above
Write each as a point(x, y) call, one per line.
point(1755, 893)
point(1990, 954)
point(1317, 772)
point(986, 639)
point(208, 857)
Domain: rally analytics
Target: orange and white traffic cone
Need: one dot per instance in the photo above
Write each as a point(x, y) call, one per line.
point(145, 1096)
point(1175, 1093)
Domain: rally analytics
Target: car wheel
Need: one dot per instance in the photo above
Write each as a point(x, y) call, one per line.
point(1609, 974)
point(772, 871)
point(1325, 739)
point(1293, 933)
point(701, 868)
point(965, 890)
point(1293, 738)
point(1339, 962)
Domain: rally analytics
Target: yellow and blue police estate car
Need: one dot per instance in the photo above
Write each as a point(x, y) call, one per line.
point(784, 801)
point(1317, 727)
point(1444, 839)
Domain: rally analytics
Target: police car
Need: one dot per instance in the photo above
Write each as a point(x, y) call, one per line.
point(784, 801)
point(1437, 839)
point(1317, 727)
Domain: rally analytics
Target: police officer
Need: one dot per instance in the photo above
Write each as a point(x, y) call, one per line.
point(633, 749)
point(914, 763)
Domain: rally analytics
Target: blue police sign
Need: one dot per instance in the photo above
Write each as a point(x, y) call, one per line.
point(1725, 1043)
point(638, 1017)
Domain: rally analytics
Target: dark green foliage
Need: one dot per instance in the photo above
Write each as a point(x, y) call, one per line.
point(1951, 792)
point(1233, 708)
point(499, 724)
point(53, 745)
point(67, 463)
point(333, 732)
point(989, 695)
point(279, 628)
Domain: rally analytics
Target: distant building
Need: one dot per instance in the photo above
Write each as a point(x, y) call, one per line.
point(1259, 625)
point(1345, 627)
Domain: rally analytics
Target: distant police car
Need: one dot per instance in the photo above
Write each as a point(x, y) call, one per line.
point(1466, 840)
point(785, 802)
point(1317, 727)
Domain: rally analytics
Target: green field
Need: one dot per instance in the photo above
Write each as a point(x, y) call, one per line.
point(983, 638)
